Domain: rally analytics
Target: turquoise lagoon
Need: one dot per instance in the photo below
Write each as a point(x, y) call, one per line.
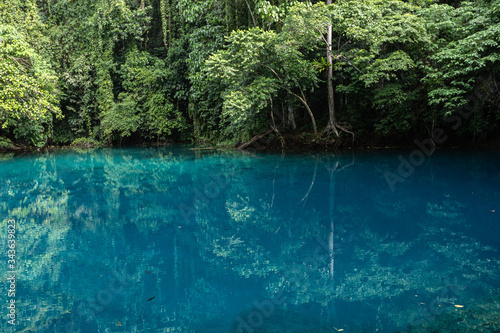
point(192, 240)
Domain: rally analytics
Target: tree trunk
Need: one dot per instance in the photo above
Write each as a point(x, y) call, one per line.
point(290, 118)
point(332, 121)
point(166, 13)
point(169, 24)
point(303, 100)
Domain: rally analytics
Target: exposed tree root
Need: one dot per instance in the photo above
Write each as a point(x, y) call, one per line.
point(337, 129)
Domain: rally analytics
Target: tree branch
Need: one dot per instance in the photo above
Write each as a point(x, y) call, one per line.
point(303, 100)
point(255, 138)
point(251, 13)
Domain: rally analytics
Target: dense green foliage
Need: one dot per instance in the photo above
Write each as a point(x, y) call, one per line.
point(225, 71)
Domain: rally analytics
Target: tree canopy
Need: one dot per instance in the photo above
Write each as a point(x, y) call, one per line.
point(226, 71)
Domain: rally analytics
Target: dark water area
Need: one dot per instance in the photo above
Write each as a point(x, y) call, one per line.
point(185, 240)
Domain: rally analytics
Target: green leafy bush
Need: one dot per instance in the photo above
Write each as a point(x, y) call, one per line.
point(85, 143)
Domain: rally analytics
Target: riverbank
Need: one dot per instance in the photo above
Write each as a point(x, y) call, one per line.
point(291, 142)
point(306, 142)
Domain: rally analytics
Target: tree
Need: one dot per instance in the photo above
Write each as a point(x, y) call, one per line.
point(379, 44)
point(332, 121)
point(144, 102)
point(461, 70)
point(29, 94)
point(308, 25)
point(256, 65)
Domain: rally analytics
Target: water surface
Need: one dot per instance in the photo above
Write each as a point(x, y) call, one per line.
point(188, 240)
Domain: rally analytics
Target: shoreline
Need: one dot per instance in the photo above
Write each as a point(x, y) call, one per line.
point(303, 148)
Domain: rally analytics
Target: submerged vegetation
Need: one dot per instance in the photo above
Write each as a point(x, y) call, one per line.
point(223, 72)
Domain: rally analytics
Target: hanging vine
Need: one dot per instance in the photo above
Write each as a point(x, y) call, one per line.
point(165, 11)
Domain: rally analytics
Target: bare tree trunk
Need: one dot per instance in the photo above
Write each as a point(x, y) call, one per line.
point(291, 118)
point(332, 121)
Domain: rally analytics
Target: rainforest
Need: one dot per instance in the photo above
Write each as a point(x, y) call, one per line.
point(248, 73)
point(222, 166)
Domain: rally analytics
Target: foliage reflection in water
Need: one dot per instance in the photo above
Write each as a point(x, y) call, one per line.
point(182, 240)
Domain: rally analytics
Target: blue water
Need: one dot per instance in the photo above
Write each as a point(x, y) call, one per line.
point(192, 240)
